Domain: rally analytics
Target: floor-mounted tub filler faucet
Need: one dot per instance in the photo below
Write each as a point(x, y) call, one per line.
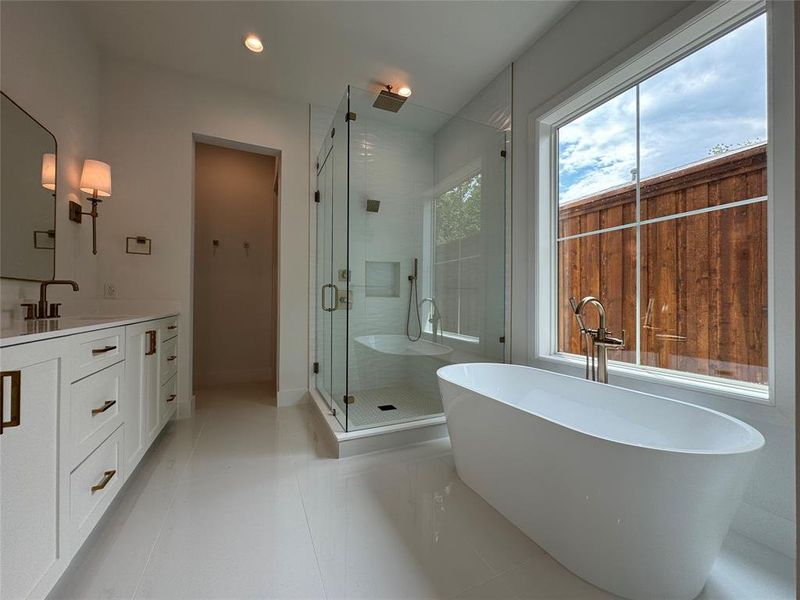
point(435, 317)
point(597, 341)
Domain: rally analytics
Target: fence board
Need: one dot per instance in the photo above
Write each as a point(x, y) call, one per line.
point(705, 274)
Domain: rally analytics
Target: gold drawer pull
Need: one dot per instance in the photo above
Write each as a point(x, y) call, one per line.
point(172, 397)
point(103, 350)
point(172, 327)
point(108, 404)
point(151, 342)
point(16, 384)
point(104, 481)
point(171, 358)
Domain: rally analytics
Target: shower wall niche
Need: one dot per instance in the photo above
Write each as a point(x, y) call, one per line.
point(395, 190)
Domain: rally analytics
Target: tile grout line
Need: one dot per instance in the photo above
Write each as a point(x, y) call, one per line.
point(140, 579)
point(310, 533)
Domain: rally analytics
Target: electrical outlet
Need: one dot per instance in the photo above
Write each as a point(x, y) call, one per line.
point(109, 291)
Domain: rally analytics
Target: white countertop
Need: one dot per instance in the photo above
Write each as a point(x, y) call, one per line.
point(21, 331)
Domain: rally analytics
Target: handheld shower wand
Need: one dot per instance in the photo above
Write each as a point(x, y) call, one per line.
point(413, 296)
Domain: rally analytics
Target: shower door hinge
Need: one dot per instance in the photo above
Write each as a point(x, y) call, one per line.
point(316, 367)
point(349, 399)
point(316, 196)
point(502, 339)
point(333, 132)
point(351, 116)
point(503, 153)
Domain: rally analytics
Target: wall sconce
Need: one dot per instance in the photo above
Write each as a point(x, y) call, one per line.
point(95, 180)
point(49, 171)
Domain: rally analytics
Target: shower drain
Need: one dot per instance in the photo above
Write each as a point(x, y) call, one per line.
point(387, 407)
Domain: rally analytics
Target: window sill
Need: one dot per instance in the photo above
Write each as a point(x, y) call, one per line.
point(467, 339)
point(754, 393)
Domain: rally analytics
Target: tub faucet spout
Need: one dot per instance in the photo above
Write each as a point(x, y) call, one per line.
point(435, 318)
point(597, 341)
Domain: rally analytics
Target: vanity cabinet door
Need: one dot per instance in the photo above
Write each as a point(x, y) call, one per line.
point(141, 390)
point(32, 494)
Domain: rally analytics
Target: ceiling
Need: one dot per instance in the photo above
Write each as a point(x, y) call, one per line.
point(445, 51)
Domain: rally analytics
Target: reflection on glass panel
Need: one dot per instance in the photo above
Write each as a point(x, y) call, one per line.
point(695, 319)
point(597, 160)
point(601, 265)
point(458, 267)
point(707, 106)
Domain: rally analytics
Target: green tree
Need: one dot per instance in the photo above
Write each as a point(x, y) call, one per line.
point(458, 211)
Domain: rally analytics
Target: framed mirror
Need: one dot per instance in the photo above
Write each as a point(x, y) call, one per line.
point(28, 154)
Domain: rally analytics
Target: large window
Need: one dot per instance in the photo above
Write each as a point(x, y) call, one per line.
point(661, 195)
point(457, 265)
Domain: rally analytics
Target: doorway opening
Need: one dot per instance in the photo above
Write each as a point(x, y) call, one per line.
point(235, 285)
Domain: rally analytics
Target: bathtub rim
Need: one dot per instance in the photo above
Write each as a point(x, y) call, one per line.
point(755, 443)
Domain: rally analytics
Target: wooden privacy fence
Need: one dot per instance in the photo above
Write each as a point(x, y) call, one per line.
point(703, 277)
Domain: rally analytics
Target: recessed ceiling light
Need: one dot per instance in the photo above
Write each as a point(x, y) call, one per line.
point(404, 91)
point(253, 43)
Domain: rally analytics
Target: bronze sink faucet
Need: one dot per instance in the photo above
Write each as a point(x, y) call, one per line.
point(42, 307)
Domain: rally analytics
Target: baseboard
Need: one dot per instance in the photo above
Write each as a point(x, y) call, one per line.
point(292, 397)
point(233, 376)
point(766, 528)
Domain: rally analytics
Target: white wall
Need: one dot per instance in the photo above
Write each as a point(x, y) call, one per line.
point(234, 301)
point(148, 118)
point(592, 39)
point(48, 66)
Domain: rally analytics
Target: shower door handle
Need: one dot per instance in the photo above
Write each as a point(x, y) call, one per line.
point(335, 295)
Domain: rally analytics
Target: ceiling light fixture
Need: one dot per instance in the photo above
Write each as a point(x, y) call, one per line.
point(404, 91)
point(253, 43)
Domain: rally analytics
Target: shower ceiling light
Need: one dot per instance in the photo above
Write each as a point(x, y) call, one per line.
point(253, 43)
point(404, 91)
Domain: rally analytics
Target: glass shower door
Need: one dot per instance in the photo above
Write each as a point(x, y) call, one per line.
point(325, 295)
point(333, 272)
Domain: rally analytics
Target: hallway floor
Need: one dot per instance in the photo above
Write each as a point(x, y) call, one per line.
point(241, 502)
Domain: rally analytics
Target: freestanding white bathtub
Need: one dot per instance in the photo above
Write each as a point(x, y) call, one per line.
point(632, 492)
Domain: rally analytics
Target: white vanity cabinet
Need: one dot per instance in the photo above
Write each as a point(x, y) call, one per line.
point(34, 394)
point(80, 409)
point(141, 389)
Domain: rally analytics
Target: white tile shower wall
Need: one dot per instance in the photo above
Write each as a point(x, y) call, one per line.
point(392, 164)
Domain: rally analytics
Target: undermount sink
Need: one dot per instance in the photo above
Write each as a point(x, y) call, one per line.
point(401, 345)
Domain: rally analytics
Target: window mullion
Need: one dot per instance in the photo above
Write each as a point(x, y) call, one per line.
point(638, 236)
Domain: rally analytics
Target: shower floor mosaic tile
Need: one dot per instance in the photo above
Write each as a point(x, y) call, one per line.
point(410, 404)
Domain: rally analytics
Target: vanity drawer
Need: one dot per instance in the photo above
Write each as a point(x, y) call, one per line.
point(169, 359)
point(95, 409)
point(94, 484)
point(169, 399)
point(168, 328)
point(91, 352)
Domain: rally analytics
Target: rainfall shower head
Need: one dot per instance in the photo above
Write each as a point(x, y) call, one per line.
point(388, 100)
point(373, 205)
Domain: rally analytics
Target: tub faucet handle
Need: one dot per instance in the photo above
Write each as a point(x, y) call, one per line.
point(616, 343)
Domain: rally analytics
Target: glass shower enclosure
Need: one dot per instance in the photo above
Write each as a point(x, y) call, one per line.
point(410, 256)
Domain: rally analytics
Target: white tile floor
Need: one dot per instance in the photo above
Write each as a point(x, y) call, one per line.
point(240, 502)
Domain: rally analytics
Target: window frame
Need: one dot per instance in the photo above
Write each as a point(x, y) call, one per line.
point(693, 35)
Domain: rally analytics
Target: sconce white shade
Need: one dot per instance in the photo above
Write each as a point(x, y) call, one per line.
point(96, 178)
point(49, 171)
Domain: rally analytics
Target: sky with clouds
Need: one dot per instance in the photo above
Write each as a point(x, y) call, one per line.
point(718, 95)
